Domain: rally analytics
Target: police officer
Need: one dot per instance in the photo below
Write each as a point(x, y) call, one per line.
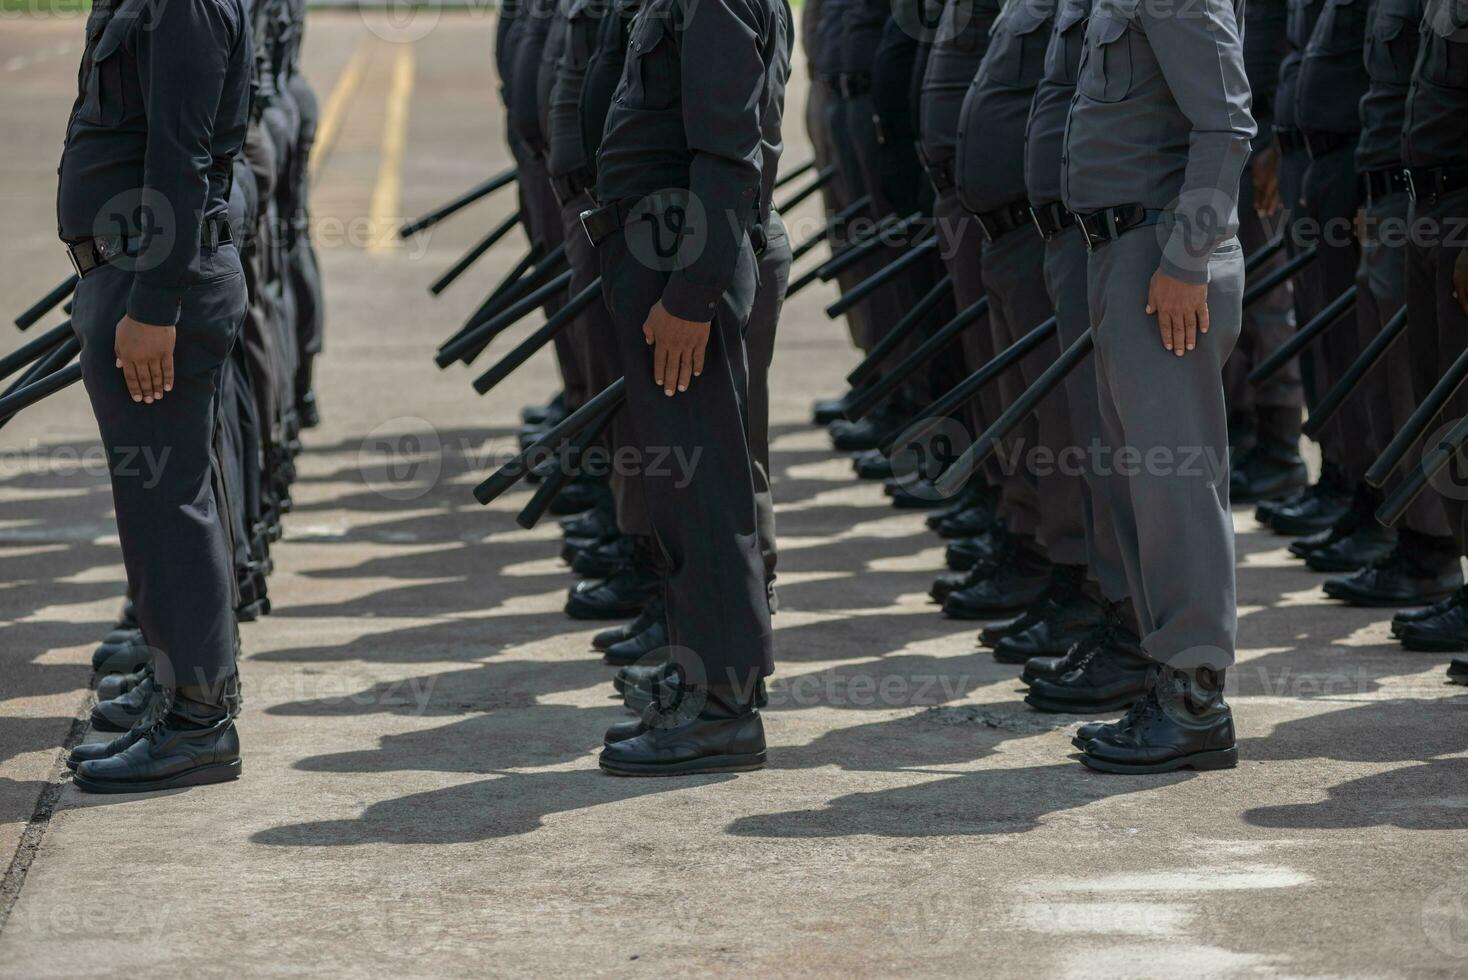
point(1417, 564)
point(143, 210)
point(1158, 136)
point(684, 152)
point(1435, 151)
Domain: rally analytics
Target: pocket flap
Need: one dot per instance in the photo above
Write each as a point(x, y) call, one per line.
point(118, 28)
point(1072, 12)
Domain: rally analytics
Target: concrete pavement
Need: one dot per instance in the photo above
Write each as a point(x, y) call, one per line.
point(420, 794)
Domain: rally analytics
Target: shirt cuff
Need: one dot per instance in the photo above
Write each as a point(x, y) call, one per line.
point(691, 301)
point(1188, 273)
point(152, 305)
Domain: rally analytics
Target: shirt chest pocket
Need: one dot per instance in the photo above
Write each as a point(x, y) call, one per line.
point(651, 75)
point(1016, 54)
point(108, 93)
point(1063, 55)
point(1391, 45)
point(1341, 28)
point(1106, 63)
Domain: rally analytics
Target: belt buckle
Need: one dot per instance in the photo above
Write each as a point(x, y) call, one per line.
point(71, 257)
point(584, 217)
point(1035, 220)
point(1086, 233)
point(1411, 184)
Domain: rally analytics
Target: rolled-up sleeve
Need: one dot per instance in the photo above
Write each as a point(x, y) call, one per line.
point(723, 83)
point(1200, 50)
point(183, 60)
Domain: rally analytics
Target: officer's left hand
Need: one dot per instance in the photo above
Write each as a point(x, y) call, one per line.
point(1181, 309)
point(1460, 280)
point(145, 355)
point(678, 347)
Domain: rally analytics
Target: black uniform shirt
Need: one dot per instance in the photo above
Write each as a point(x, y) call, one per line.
point(584, 22)
point(603, 75)
point(1391, 50)
point(1332, 79)
point(991, 133)
point(1264, 48)
point(861, 34)
point(1436, 130)
point(524, 84)
point(163, 104)
point(1300, 19)
point(688, 115)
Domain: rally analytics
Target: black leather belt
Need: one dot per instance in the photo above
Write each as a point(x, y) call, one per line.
point(1109, 224)
point(1290, 139)
point(1051, 219)
point(1427, 184)
point(1001, 221)
point(1377, 184)
point(1324, 144)
point(602, 223)
point(91, 254)
point(567, 187)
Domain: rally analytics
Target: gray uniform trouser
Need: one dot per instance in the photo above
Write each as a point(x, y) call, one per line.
point(1308, 290)
point(1065, 277)
point(697, 476)
point(1384, 401)
point(759, 341)
point(592, 335)
point(1437, 332)
point(1019, 302)
point(175, 545)
point(1163, 464)
point(1268, 324)
point(1330, 196)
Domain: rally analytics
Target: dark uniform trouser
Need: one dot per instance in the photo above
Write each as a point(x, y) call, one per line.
point(1437, 331)
point(1065, 276)
point(696, 472)
point(1330, 194)
point(1384, 401)
point(1019, 302)
point(596, 338)
point(1308, 290)
point(1163, 468)
point(962, 249)
point(1268, 324)
point(305, 269)
point(759, 341)
point(542, 215)
point(864, 319)
point(174, 542)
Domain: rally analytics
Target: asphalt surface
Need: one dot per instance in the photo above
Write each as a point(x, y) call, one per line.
point(420, 794)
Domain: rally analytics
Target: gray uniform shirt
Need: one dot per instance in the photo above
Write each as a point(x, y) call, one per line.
point(991, 133)
point(1331, 82)
point(1161, 118)
point(1045, 137)
point(959, 46)
point(1436, 130)
point(1391, 50)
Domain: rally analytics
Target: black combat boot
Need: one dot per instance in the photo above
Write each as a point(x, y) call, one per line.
point(1064, 616)
point(1272, 468)
point(1424, 613)
point(868, 433)
point(828, 410)
point(308, 409)
point(1354, 541)
point(1447, 632)
point(1407, 576)
point(1316, 508)
point(689, 730)
point(965, 553)
point(973, 520)
point(1110, 675)
point(651, 613)
point(128, 709)
point(1183, 722)
point(649, 645)
point(1012, 580)
point(580, 495)
point(602, 559)
point(551, 413)
point(1458, 671)
point(623, 594)
point(126, 655)
point(116, 685)
point(191, 743)
point(872, 465)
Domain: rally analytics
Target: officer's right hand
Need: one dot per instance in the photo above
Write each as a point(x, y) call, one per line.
point(678, 348)
point(1181, 309)
point(145, 355)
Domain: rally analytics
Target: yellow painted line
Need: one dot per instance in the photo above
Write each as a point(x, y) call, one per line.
point(386, 210)
point(336, 106)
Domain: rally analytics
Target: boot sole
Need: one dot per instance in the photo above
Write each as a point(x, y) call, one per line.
point(203, 776)
point(1434, 646)
point(1050, 707)
point(1333, 567)
point(725, 763)
point(1201, 761)
point(597, 613)
point(1366, 600)
point(992, 612)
